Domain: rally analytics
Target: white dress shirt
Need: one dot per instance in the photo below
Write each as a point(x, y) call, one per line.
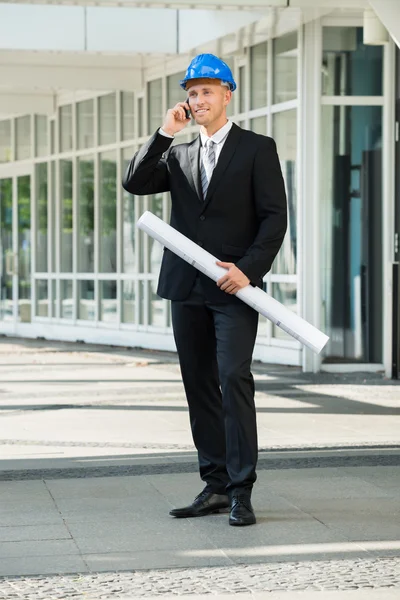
point(218, 138)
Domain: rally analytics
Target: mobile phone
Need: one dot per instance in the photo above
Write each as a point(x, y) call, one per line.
point(187, 111)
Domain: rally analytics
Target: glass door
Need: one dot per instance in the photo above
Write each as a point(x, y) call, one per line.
point(15, 249)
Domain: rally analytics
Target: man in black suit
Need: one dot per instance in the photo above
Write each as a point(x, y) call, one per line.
point(228, 196)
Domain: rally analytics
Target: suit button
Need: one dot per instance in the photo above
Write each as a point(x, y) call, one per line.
point(202, 218)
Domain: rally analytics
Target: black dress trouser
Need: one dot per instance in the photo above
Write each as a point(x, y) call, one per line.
point(215, 343)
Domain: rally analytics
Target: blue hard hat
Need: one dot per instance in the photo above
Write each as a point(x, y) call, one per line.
point(210, 67)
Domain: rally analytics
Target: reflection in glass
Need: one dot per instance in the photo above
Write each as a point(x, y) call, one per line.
point(127, 124)
point(86, 300)
point(259, 125)
point(128, 302)
point(231, 64)
point(351, 247)
point(108, 212)
point(108, 301)
point(67, 308)
point(55, 299)
point(24, 248)
point(66, 216)
point(141, 127)
point(42, 298)
point(65, 127)
point(155, 248)
point(286, 294)
point(285, 68)
point(23, 137)
point(107, 119)
point(156, 307)
point(6, 255)
point(285, 135)
point(5, 141)
point(242, 89)
point(85, 118)
point(86, 214)
point(154, 106)
point(41, 212)
point(143, 299)
point(258, 75)
point(51, 229)
point(129, 220)
point(350, 68)
point(41, 144)
point(175, 93)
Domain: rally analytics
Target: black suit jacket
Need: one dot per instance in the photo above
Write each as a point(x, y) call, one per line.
point(243, 218)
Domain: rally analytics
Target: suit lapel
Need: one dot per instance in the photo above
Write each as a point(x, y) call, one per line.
point(224, 159)
point(194, 174)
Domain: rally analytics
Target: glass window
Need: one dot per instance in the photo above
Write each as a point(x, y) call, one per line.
point(85, 121)
point(155, 248)
point(350, 68)
point(107, 119)
point(285, 134)
point(156, 306)
point(141, 128)
point(86, 214)
point(128, 301)
point(108, 301)
point(143, 299)
point(6, 254)
point(51, 229)
point(86, 300)
point(155, 115)
point(23, 137)
point(258, 75)
point(129, 221)
point(66, 216)
point(5, 141)
point(52, 136)
point(175, 93)
point(108, 212)
point(286, 294)
point(24, 248)
point(42, 298)
point(241, 89)
point(67, 307)
point(351, 246)
point(41, 142)
point(127, 124)
point(65, 126)
point(55, 299)
point(259, 125)
point(285, 68)
point(42, 216)
point(231, 64)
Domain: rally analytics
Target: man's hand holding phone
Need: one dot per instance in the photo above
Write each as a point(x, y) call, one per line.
point(177, 118)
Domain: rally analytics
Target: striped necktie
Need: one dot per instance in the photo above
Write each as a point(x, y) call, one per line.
point(207, 165)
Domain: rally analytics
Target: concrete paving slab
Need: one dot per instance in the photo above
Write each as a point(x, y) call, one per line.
point(153, 560)
point(26, 549)
point(34, 532)
point(42, 565)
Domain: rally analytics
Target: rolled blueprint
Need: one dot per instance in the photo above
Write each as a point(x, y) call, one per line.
point(205, 262)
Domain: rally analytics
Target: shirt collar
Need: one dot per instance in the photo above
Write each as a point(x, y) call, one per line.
point(218, 136)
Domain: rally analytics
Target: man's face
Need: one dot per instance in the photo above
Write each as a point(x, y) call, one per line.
point(207, 100)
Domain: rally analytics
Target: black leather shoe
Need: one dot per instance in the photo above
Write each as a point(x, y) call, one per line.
point(242, 512)
point(204, 504)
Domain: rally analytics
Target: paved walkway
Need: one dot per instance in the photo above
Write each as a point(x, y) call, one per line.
point(95, 449)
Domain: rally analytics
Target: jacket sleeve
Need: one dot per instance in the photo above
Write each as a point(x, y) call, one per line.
point(147, 173)
point(271, 210)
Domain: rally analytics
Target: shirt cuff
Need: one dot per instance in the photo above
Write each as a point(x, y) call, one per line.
point(162, 132)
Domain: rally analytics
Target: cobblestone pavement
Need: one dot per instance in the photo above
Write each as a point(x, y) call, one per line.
point(296, 576)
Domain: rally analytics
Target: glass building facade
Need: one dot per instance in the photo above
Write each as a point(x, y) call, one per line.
point(74, 266)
